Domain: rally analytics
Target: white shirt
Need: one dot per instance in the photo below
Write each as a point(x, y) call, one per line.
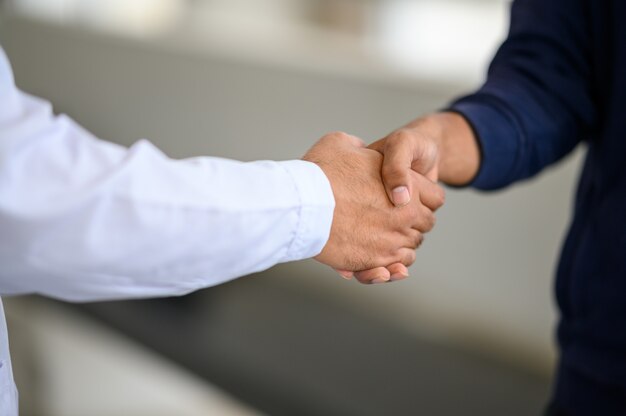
point(83, 219)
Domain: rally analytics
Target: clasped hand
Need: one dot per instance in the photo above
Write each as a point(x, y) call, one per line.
point(385, 199)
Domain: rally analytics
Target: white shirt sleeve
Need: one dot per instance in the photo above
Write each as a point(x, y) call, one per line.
point(84, 219)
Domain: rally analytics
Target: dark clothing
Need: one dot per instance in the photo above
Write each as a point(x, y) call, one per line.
point(579, 394)
point(560, 78)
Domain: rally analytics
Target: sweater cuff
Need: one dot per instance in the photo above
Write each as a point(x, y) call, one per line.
point(317, 205)
point(498, 140)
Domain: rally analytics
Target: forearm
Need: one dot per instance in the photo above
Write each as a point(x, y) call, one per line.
point(84, 219)
point(459, 152)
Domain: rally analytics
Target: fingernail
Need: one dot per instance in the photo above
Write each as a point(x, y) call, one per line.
point(400, 195)
point(346, 274)
point(379, 280)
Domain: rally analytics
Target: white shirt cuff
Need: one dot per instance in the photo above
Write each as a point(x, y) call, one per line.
point(317, 204)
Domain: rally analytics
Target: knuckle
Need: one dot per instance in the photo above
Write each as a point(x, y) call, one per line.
point(440, 197)
point(410, 258)
point(361, 278)
point(334, 135)
point(403, 134)
point(398, 138)
point(419, 239)
point(429, 221)
point(406, 256)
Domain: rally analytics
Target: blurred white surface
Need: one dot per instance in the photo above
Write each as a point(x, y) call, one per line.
point(444, 40)
point(137, 17)
point(84, 368)
point(439, 40)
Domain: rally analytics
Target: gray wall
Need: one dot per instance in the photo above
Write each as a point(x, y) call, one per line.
point(484, 276)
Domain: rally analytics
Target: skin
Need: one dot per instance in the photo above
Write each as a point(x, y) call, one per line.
point(440, 146)
point(368, 231)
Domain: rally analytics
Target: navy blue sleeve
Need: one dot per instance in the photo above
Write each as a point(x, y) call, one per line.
point(536, 104)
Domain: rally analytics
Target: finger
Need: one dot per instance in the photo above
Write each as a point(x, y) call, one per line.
point(413, 236)
point(403, 152)
point(425, 157)
point(431, 195)
point(356, 141)
point(398, 271)
point(373, 276)
point(433, 174)
point(407, 256)
point(346, 274)
point(423, 222)
point(378, 145)
point(396, 168)
point(426, 164)
point(415, 239)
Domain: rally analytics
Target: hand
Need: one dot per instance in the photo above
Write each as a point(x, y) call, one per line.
point(439, 146)
point(406, 151)
point(367, 230)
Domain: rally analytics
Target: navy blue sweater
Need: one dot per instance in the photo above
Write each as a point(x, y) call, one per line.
point(559, 79)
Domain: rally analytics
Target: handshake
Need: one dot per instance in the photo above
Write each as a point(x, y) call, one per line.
point(386, 196)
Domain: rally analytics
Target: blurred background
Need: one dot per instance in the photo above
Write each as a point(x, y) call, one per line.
point(470, 333)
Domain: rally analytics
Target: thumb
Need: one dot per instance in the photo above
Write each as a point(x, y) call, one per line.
point(397, 153)
point(433, 174)
point(405, 151)
point(426, 159)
